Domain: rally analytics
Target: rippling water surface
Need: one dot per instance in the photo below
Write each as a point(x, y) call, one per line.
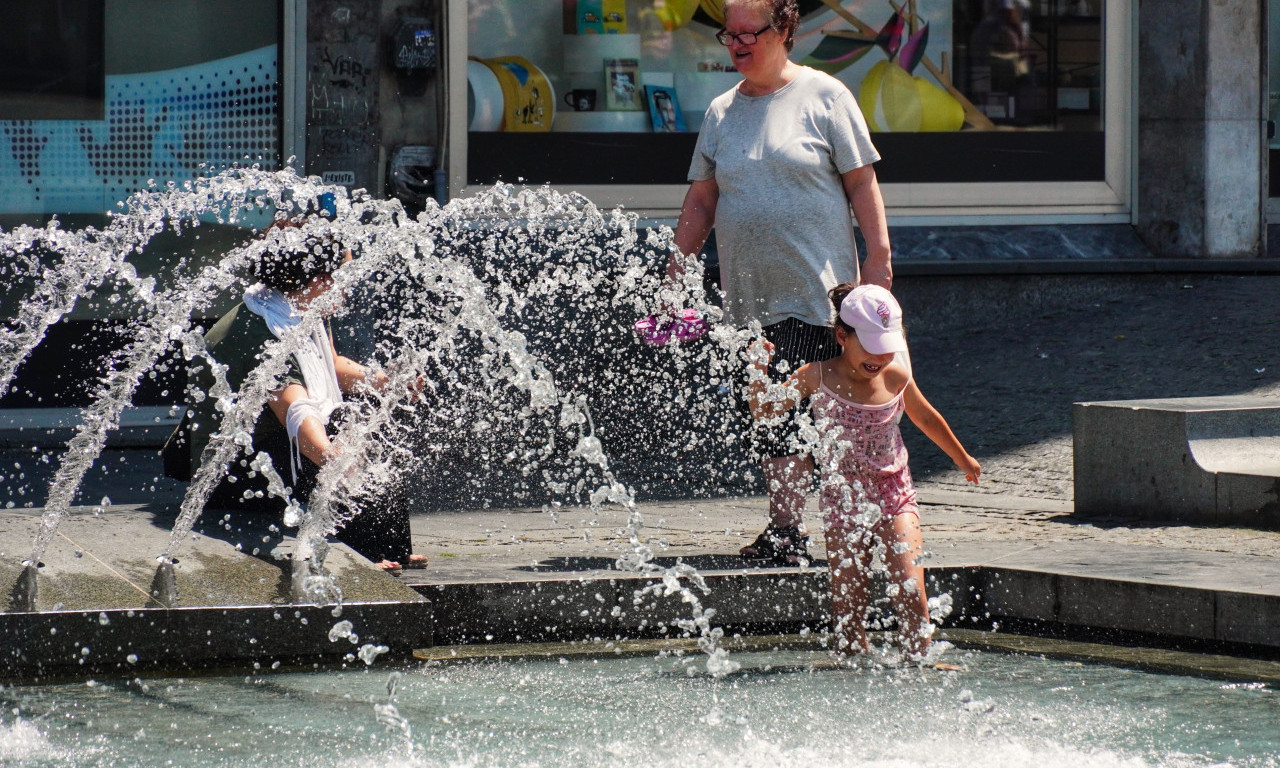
point(781, 708)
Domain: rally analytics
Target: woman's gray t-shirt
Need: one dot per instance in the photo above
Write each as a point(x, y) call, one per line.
point(784, 230)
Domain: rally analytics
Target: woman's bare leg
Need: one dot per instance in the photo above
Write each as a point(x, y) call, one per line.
point(787, 479)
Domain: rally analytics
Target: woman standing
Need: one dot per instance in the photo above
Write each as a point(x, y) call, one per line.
point(780, 160)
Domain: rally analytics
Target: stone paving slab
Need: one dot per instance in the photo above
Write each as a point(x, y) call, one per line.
point(1003, 358)
point(107, 559)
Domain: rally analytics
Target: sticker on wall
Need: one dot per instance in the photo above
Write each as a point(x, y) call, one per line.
point(171, 125)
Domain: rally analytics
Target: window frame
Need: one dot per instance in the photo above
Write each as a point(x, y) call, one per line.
point(1106, 201)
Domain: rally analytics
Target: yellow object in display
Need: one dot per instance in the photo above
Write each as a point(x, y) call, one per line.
point(614, 16)
point(893, 100)
point(889, 99)
point(528, 101)
point(939, 110)
point(674, 14)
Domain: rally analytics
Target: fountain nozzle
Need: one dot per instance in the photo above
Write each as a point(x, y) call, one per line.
point(23, 597)
point(164, 587)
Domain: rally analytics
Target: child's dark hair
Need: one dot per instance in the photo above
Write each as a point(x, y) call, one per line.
point(837, 295)
point(290, 268)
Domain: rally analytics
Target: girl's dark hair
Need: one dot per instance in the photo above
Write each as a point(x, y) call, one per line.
point(288, 268)
point(784, 17)
point(837, 295)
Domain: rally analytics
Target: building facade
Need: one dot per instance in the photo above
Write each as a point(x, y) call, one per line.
point(1150, 121)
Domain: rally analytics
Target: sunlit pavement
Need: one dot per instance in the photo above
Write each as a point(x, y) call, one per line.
point(1008, 396)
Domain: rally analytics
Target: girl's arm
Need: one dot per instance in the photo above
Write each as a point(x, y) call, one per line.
point(926, 417)
point(313, 441)
point(352, 374)
point(799, 386)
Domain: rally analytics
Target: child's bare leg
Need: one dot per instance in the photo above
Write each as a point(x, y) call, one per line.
point(904, 552)
point(788, 479)
point(849, 557)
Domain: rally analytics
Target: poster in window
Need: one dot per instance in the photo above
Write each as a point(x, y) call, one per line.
point(664, 109)
point(622, 85)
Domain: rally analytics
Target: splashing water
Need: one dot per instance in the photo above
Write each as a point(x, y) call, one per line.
point(498, 320)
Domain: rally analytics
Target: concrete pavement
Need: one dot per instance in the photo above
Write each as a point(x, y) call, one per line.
point(1004, 362)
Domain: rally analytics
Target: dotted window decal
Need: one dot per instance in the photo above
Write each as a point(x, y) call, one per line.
point(159, 125)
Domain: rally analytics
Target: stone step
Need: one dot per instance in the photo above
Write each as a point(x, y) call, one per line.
point(140, 427)
point(1203, 460)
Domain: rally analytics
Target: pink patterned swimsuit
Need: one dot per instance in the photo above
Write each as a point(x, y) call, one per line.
point(867, 447)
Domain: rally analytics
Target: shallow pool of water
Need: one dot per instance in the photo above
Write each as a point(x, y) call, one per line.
point(781, 709)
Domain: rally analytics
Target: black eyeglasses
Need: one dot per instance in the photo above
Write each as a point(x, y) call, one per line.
point(743, 38)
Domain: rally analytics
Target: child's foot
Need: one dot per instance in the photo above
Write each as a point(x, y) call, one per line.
point(416, 561)
point(779, 546)
point(389, 567)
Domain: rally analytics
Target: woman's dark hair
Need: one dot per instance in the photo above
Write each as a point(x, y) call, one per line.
point(289, 267)
point(784, 17)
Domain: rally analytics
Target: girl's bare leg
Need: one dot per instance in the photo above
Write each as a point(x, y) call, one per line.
point(787, 479)
point(904, 550)
point(849, 556)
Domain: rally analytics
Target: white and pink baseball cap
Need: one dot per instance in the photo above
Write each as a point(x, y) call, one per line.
point(875, 316)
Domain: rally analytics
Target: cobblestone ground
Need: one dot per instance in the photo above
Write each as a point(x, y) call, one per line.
point(1007, 388)
point(1005, 378)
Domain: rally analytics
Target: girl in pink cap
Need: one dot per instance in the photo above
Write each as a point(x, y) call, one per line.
point(867, 498)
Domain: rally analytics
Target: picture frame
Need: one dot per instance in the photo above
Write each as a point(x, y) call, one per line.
point(664, 109)
point(622, 90)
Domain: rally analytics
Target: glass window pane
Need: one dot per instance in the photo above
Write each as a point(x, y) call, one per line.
point(613, 92)
point(182, 86)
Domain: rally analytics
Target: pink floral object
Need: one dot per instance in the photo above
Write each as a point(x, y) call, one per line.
point(657, 330)
point(690, 326)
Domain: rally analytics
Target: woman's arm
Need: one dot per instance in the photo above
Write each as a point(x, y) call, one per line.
point(697, 216)
point(313, 441)
point(926, 417)
point(863, 191)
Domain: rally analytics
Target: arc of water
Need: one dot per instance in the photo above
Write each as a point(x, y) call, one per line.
point(413, 253)
point(169, 325)
point(680, 579)
point(55, 296)
point(144, 216)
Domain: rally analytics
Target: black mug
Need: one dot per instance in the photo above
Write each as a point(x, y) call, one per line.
point(581, 99)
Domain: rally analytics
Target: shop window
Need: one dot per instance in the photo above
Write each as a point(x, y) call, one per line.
point(613, 91)
point(52, 63)
point(1273, 106)
point(163, 90)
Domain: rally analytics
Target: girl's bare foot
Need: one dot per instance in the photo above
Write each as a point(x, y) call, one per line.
point(416, 561)
point(389, 566)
